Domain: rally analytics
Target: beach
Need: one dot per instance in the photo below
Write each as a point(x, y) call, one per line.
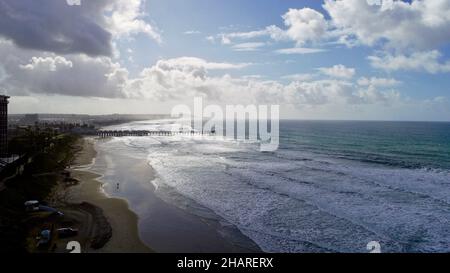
point(123, 221)
point(140, 220)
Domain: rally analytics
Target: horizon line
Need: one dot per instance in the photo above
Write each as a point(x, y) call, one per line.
point(281, 119)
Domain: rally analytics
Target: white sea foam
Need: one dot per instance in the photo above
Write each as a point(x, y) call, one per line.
point(295, 201)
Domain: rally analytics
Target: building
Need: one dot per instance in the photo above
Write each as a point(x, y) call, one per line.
point(4, 126)
point(29, 120)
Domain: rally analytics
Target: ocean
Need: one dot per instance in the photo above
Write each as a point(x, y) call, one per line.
point(332, 186)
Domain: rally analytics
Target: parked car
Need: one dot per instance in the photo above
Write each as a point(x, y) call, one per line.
point(31, 205)
point(67, 232)
point(52, 210)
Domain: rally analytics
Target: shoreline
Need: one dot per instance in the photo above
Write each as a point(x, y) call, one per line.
point(153, 221)
point(122, 220)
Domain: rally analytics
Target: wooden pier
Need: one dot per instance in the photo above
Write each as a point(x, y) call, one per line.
point(143, 133)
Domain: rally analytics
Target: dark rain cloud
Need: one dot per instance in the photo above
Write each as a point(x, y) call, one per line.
point(55, 26)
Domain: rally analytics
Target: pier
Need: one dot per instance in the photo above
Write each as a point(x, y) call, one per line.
point(143, 133)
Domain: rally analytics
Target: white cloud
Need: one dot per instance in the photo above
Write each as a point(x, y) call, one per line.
point(440, 103)
point(378, 82)
point(171, 80)
point(256, 76)
point(409, 31)
point(47, 73)
point(276, 33)
point(191, 32)
point(225, 40)
point(80, 75)
point(335, 92)
point(305, 25)
point(338, 71)
point(126, 19)
point(420, 61)
point(419, 25)
point(211, 39)
point(167, 80)
point(248, 46)
point(48, 63)
point(227, 37)
point(184, 78)
point(299, 50)
point(272, 31)
point(372, 95)
point(299, 77)
point(192, 63)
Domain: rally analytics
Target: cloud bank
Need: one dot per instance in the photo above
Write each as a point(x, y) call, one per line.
point(55, 26)
point(32, 72)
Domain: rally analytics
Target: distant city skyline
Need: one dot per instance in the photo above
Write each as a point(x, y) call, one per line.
point(328, 59)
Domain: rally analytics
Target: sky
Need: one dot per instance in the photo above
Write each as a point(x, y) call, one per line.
point(331, 59)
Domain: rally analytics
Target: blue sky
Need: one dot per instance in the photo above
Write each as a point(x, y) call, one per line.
point(174, 17)
point(349, 59)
